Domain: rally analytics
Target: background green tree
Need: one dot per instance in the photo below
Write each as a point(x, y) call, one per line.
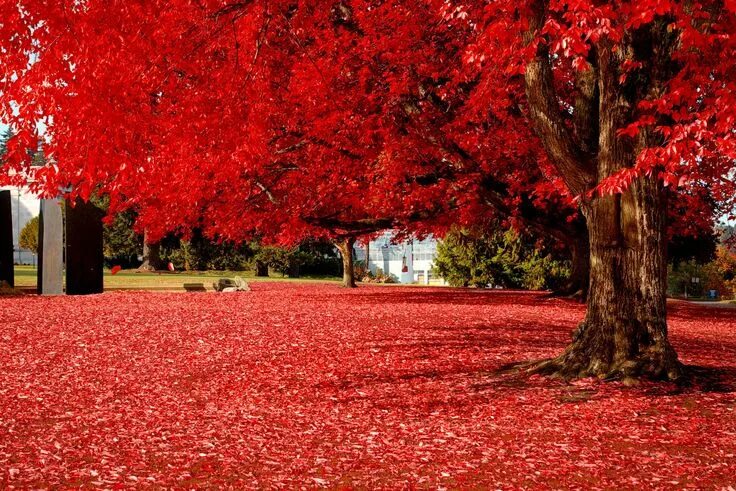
point(480, 258)
point(7, 135)
point(122, 245)
point(28, 238)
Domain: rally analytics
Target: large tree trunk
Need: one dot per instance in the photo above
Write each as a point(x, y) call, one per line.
point(151, 255)
point(624, 334)
point(348, 271)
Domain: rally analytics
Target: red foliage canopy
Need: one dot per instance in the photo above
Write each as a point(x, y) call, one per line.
point(337, 117)
point(690, 115)
point(239, 117)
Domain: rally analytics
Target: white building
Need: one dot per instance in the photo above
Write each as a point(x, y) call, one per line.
point(409, 261)
point(24, 206)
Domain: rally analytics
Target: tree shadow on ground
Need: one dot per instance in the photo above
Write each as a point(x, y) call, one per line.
point(496, 343)
point(696, 379)
point(492, 381)
point(487, 384)
point(524, 327)
point(710, 379)
point(447, 296)
point(687, 311)
point(538, 337)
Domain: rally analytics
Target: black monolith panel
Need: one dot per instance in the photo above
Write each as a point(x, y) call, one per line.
point(84, 256)
point(6, 239)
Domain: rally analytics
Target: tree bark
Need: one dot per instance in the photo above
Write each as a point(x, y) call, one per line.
point(151, 255)
point(261, 269)
point(348, 270)
point(624, 334)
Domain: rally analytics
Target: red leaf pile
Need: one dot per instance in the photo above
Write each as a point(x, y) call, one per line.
point(312, 385)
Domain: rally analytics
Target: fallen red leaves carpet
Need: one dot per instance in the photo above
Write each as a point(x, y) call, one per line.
point(310, 386)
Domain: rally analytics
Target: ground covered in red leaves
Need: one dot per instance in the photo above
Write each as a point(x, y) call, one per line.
point(311, 386)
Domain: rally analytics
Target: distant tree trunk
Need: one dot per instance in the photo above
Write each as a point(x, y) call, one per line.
point(580, 271)
point(577, 285)
point(348, 270)
point(151, 255)
point(261, 269)
point(367, 255)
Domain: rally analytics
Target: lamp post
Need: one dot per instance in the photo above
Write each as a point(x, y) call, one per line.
point(695, 281)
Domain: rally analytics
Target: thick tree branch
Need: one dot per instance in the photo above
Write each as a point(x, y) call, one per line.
point(362, 226)
point(545, 113)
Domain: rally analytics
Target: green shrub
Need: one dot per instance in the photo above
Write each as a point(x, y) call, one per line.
point(496, 258)
point(378, 277)
point(287, 261)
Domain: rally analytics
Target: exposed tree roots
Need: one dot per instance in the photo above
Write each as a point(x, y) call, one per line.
point(579, 362)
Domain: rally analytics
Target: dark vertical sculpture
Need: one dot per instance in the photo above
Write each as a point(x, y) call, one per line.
point(6, 239)
point(50, 248)
point(84, 256)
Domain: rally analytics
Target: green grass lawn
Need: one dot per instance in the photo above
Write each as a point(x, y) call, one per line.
point(25, 277)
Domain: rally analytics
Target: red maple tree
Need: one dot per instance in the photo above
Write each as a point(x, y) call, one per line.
point(626, 98)
point(338, 118)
